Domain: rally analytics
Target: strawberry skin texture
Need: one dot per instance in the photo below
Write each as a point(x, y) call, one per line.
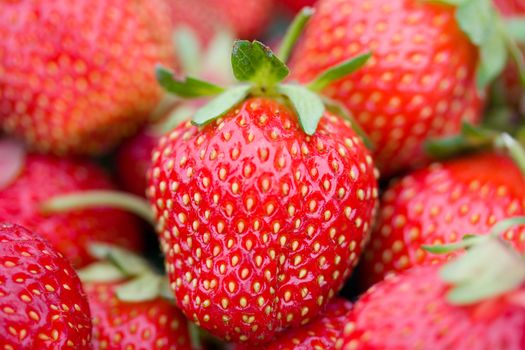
point(133, 161)
point(419, 83)
point(320, 334)
point(410, 311)
point(439, 204)
point(46, 176)
point(42, 304)
point(260, 223)
point(78, 77)
point(118, 325)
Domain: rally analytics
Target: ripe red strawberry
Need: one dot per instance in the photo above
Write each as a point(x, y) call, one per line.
point(294, 6)
point(419, 83)
point(246, 18)
point(153, 324)
point(438, 205)
point(43, 177)
point(133, 161)
point(78, 77)
point(411, 311)
point(260, 223)
point(42, 305)
point(321, 333)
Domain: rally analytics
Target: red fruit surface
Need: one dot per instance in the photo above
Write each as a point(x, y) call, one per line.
point(419, 83)
point(410, 311)
point(119, 325)
point(294, 6)
point(260, 223)
point(77, 77)
point(439, 204)
point(510, 7)
point(246, 18)
point(42, 305)
point(322, 333)
point(44, 177)
point(133, 161)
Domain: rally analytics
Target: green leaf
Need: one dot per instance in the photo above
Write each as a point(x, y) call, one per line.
point(339, 71)
point(143, 288)
point(188, 49)
point(101, 272)
point(189, 87)
point(308, 106)
point(493, 58)
point(476, 19)
point(254, 62)
point(165, 290)
point(516, 28)
point(512, 147)
point(506, 224)
point(221, 104)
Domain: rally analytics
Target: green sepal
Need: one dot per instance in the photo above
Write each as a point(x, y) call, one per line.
point(513, 148)
point(188, 49)
point(339, 71)
point(488, 270)
point(165, 290)
point(516, 28)
point(221, 104)
point(294, 32)
point(143, 288)
point(102, 271)
point(504, 225)
point(466, 242)
point(254, 62)
point(187, 88)
point(476, 19)
point(493, 58)
point(128, 262)
point(340, 109)
point(308, 106)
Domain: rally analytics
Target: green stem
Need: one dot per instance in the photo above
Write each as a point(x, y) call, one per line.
point(96, 199)
point(294, 32)
point(194, 336)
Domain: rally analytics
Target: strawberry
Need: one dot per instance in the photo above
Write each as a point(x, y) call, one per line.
point(246, 18)
point(44, 176)
point(320, 334)
point(473, 303)
point(250, 206)
point(419, 83)
point(439, 204)
point(128, 312)
point(294, 6)
point(133, 160)
point(64, 85)
point(42, 305)
point(264, 201)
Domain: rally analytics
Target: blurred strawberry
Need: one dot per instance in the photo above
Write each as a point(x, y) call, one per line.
point(77, 77)
point(127, 306)
point(294, 6)
point(438, 205)
point(419, 83)
point(246, 18)
point(42, 305)
point(41, 177)
point(475, 302)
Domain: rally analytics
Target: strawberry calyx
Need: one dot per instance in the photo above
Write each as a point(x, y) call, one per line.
point(495, 37)
point(476, 138)
point(98, 198)
point(261, 73)
point(490, 268)
point(12, 159)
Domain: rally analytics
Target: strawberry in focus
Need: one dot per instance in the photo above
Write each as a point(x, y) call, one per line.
point(42, 177)
point(42, 304)
point(78, 77)
point(259, 222)
point(438, 205)
point(419, 83)
point(322, 333)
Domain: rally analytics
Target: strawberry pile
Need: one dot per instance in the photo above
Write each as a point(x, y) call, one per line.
point(169, 181)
